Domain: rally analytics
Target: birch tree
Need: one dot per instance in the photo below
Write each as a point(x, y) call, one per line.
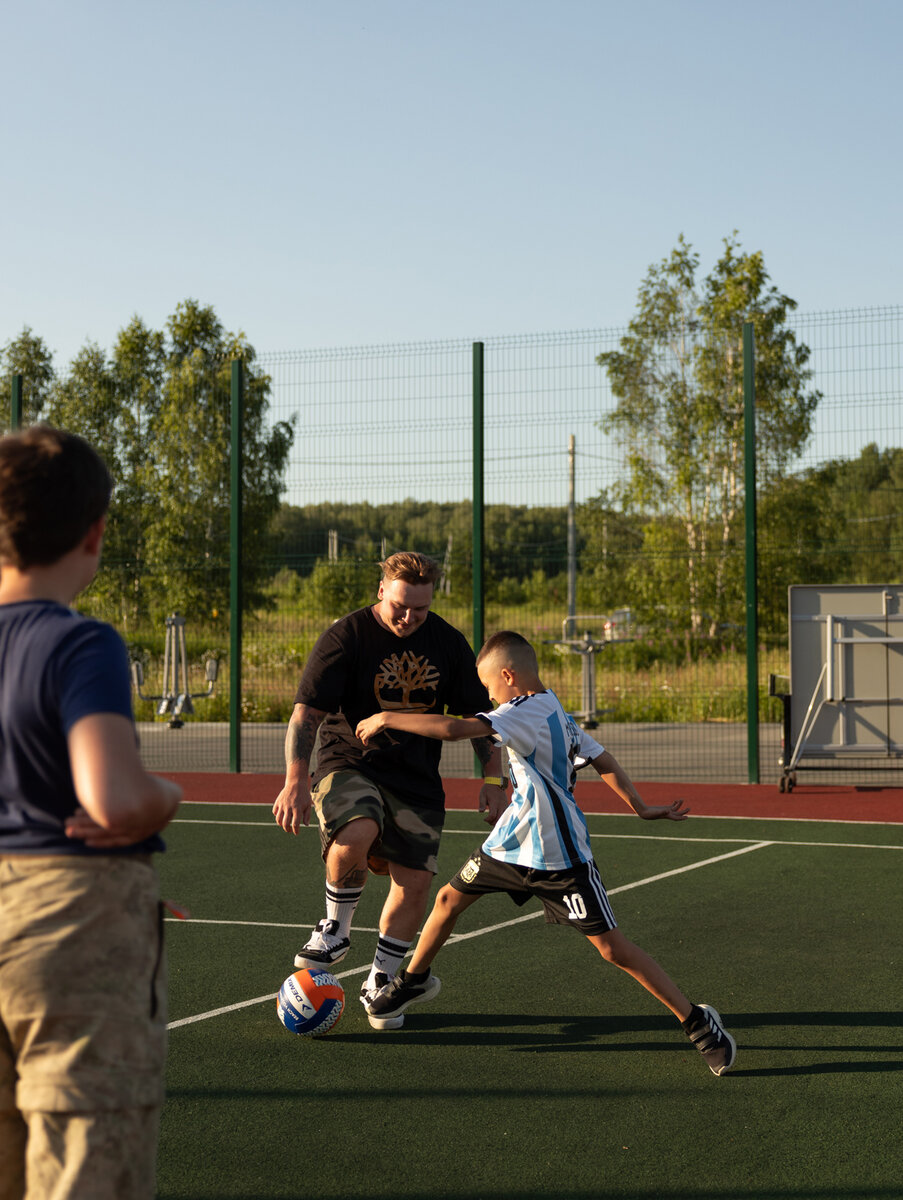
point(677, 379)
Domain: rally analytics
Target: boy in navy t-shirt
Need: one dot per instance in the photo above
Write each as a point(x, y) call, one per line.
point(82, 988)
point(540, 845)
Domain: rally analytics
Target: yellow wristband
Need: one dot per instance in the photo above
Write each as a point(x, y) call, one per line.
point(494, 779)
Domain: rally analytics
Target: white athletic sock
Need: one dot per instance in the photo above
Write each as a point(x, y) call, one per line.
point(340, 906)
point(388, 958)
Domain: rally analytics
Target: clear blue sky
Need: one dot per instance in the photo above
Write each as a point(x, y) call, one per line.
point(345, 172)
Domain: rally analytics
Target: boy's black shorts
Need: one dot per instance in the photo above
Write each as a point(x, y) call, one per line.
point(575, 896)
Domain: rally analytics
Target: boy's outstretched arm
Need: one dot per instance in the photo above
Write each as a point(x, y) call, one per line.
point(434, 725)
point(618, 780)
point(493, 800)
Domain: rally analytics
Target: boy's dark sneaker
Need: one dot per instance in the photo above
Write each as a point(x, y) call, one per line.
point(386, 1009)
point(324, 948)
point(711, 1039)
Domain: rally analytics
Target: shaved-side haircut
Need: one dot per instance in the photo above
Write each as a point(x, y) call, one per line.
point(510, 649)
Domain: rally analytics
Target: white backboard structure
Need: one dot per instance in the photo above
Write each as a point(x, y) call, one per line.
point(846, 676)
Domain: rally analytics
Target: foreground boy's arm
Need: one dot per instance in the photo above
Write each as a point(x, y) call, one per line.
point(121, 802)
point(453, 729)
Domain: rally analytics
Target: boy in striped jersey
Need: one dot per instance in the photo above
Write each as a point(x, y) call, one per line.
point(540, 846)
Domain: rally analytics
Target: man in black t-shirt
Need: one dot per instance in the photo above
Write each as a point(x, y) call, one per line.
point(380, 805)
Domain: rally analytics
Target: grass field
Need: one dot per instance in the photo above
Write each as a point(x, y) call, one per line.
point(540, 1071)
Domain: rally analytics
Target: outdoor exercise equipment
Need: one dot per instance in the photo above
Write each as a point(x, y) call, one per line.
point(587, 647)
point(175, 698)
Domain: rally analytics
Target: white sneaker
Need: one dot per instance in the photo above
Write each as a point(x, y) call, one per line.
point(324, 948)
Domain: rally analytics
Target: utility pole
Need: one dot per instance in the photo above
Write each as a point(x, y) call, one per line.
point(572, 537)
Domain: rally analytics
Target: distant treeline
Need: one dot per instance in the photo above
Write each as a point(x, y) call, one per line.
point(841, 522)
point(515, 535)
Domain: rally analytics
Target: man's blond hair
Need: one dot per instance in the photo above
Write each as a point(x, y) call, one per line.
point(410, 567)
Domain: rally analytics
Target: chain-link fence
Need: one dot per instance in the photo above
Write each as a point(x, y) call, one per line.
point(352, 454)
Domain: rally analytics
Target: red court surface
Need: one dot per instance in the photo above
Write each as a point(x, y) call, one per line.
point(808, 803)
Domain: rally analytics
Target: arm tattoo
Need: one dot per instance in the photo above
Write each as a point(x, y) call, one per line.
point(483, 748)
point(302, 734)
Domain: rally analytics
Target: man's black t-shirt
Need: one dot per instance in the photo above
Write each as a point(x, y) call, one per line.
point(358, 667)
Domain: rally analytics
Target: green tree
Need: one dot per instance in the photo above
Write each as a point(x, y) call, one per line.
point(113, 403)
point(678, 382)
point(611, 565)
point(86, 401)
point(800, 541)
point(839, 522)
point(188, 449)
point(28, 356)
point(337, 587)
point(159, 412)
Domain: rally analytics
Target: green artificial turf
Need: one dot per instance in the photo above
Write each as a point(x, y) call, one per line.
point(539, 1070)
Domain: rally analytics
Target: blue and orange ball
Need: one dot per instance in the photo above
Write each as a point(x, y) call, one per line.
point(310, 1002)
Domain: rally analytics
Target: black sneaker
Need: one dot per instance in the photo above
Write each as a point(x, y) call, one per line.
point(324, 948)
point(704, 1029)
point(386, 1009)
point(380, 980)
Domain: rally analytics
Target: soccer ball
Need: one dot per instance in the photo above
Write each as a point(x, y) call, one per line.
point(310, 1002)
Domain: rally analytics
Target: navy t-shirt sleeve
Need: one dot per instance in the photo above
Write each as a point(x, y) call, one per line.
point(57, 668)
point(91, 675)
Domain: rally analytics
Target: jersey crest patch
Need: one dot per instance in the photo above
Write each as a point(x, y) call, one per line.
point(470, 870)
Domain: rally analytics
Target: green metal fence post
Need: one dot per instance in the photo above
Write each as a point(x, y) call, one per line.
point(235, 567)
point(478, 598)
point(752, 605)
point(15, 403)
point(478, 590)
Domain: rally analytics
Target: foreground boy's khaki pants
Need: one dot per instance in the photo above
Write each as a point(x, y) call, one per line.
point(82, 1027)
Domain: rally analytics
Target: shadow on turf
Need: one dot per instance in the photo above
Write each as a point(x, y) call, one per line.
point(590, 1034)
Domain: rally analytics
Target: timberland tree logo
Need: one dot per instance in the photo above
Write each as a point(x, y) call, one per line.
point(406, 681)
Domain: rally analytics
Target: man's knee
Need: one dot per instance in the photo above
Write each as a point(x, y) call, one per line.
point(349, 848)
point(361, 832)
point(410, 884)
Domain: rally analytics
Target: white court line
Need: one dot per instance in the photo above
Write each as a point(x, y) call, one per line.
point(673, 837)
point(261, 924)
point(697, 817)
point(626, 887)
point(772, 841)
point(199, 821)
